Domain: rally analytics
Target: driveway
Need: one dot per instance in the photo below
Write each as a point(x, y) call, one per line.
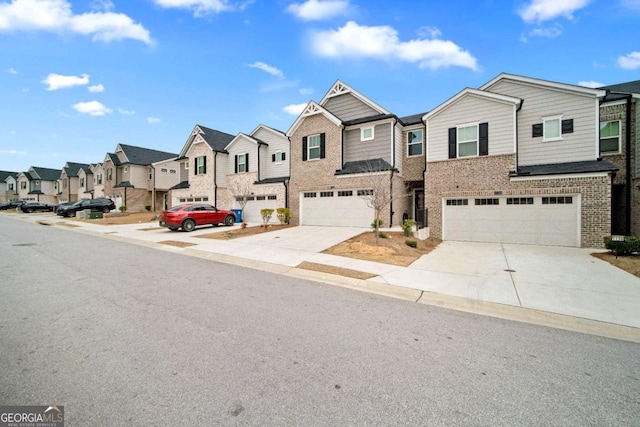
point(555, 279)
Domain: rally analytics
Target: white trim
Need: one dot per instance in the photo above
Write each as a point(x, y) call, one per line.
point(546, 83)
point(261, 126)
point(471, 92)
point(544, 128)
point(361, 174)
point(611, 153)
point(340, 88)
point(613, 103)
point(558, 176)
point(312, 109)
point(421, 143)
point(370, 138)
point(598, 128)
point(241, 136)
point(468, 125)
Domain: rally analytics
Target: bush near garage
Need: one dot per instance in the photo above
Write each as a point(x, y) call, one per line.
point(628, 246)
point(283, 215)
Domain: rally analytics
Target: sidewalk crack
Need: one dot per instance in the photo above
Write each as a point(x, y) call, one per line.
point(511, 271)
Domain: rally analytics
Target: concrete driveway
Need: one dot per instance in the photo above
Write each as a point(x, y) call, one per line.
point(555, 279)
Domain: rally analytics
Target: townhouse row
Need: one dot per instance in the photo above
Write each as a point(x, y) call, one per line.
point(518, 160)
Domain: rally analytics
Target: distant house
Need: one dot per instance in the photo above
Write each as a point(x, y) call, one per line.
point(70, 183)
point(8, 188)
point(203, 163)
point(518, 161)
point(132, 178)
point(85, 182)
point(258, 163)
point(98, 180)
point(39, 184)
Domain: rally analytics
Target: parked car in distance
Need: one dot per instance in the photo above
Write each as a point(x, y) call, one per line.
point(36, 207)
point(96, 205)
point(190, 215)
point(11, 205)
point(63, 204)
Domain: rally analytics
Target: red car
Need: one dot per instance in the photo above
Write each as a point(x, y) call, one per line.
point(190, 215)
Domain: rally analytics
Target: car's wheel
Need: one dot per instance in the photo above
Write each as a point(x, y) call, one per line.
point(29, 210)
point(188, 225)
point(229, 220)
point(106, 209)
point(72, 214)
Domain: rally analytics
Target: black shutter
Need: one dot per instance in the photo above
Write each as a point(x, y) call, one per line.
point(236, 163)
point(567, 126)
point(283, 156)
point(536, 130)
point(273, 157)
point(246, 162)
point(483, 139)
point(452, 143)
point(304, 148)
point(195, 166)
point(322, 145)
point(204, 169)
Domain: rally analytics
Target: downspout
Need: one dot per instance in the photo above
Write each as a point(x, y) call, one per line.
point(153, 191)
point(517, 131)
point(393, 168)
point(215, 179)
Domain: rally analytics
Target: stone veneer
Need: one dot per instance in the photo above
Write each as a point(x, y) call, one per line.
point(483, 176)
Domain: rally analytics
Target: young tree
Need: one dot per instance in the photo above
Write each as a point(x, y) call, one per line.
point(241, 187)
point(377, 194)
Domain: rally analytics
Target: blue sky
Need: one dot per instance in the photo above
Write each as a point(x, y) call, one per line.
point(79, 77)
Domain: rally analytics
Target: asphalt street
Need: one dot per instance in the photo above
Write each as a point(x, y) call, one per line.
point(127, 335)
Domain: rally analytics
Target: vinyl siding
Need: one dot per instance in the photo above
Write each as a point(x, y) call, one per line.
point(269, 169)
point(222, 168)
point(542, 102)
point(378, 148)
point(472, 109)
point(348, 107)
point(184, 172)
point(243, 146)
point(398, 149)
point(166, 180)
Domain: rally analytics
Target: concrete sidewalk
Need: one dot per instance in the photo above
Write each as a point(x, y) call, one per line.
point(555, 286)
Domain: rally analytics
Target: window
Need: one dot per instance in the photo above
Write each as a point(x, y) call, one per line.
point(414, 142)
point(366, 134)
point(345, 193)
point(365, 193)
point(519, 200)
point(99, 179)
point(468, 141)
point(186, 166)
point(126, 169)
point(272, 197)
point(242, 163)
point(326, 194)
point(551, 128)
point(260, 197)
point(313, 143)
point(23, 185)
point(278, 157)
point(485, 202)
point(64, 183)
point(109, 174)
point(309, 195)
point(11, 186)
point(457, 202)
point(201, 165)
point(610, 137)
point(37, 182)
point(557, 200)
point(172, 171)
point(163, 170)
point(81, 182)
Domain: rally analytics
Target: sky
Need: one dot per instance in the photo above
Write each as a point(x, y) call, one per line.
point(77, 78)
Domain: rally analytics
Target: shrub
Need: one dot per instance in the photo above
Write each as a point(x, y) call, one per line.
point(407, 227)
point(148, 208)
point(283, 215)
point(411, 243)
point(382, 234)
point(123, 208)
point(377, 223)
point(266, 216)
point(628, 246)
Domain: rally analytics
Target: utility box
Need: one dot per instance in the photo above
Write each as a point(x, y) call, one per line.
point(95, 215)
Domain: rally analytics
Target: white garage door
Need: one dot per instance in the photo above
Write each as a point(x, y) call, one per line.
point(538, 220)
point(344, 208)
point(251, 212)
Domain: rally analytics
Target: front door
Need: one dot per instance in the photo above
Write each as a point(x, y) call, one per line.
point(418, 208)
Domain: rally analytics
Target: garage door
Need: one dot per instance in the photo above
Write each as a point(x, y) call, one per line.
point(251, 212)
point(538, 220)
point(342, 208)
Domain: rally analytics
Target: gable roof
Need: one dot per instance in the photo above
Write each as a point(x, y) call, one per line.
point(44, 174)
point(72, 169)
point(312, 109)
point(545, 83)
point(6, 174)
point(215, 139)
point(249, 138)
point(269, 128)
point(144, 156)
point(341, 88)
point(114, 159)
point(466, 92)
point(413, 119)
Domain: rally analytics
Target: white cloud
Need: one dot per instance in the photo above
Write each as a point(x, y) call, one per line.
point(315, 10)
point(267, 69)
point(96, 88)
point(57, 16)
point(126, 112)
point(431, 32)
point(590, 84)
point(11, 71)
point(199, 7)
point(305, 91)
point(294, 109)
point(13, 152)
point(356, 41)
point(59, 81)
point(549, 32)
point(630, 61)
point(92, 108)
point(545, 10)
point(153, 120)
point(631, 4)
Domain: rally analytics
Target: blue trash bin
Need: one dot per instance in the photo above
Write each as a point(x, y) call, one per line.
point(238, 213)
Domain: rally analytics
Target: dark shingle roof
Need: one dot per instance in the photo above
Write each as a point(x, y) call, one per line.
point(6, 174)
point(564, 168)
point(217, 140)
point(367, 119)
point(180, 185)
point(628, 87)
point(144, 156)
point(413, 119)
point(364, 166)
point(72, 169)
point(273, 180)
point(45, 174)
point(124, 184)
